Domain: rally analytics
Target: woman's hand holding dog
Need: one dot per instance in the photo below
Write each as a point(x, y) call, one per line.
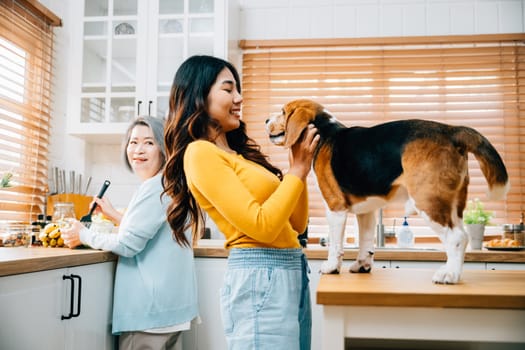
point(302, 152)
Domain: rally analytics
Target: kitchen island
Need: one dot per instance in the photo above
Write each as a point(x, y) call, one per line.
point(486, 306)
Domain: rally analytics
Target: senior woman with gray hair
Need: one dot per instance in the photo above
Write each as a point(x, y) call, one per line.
point(155, 293)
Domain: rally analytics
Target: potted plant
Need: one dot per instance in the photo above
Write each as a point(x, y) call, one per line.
point(6, 180)
point(476, 218)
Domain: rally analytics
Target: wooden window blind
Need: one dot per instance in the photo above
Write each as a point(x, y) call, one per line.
point(26, 51)
point(478, 81)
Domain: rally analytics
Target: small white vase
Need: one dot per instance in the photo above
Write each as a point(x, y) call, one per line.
point(475, 232)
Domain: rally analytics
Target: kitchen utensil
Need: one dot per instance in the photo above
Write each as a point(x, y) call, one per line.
point(54, 185)
point(87, 185)
point(59, 180)
point(72, 181)
point(63, 178)
point(86, 219)
point(79, 184)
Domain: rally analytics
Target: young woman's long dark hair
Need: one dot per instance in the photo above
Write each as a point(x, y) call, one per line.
point(188, 120)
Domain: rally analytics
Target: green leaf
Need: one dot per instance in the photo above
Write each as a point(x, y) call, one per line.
point(476, 214)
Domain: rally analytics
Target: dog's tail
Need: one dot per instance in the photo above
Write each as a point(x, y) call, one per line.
point(489, 160)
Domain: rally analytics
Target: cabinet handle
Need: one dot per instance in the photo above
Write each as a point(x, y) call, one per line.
point(78, 295)
point(138, 107)
point(71, 299)
point(149, 108)
point(72, 296)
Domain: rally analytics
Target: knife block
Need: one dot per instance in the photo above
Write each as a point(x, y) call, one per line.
point(80, 203)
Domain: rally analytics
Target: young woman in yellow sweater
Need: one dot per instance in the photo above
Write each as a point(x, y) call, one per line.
point(214, 166)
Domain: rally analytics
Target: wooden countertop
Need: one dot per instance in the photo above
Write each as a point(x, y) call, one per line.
point(414, 288)
point(32, 259)
point(424, 252)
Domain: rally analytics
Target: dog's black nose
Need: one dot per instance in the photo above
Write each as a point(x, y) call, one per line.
point(266, 121)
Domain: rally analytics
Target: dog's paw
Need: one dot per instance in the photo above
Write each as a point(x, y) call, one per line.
point(330, 267)
point(446, 276)
point(359, 267)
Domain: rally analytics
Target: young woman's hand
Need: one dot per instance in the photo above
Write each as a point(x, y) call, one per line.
point(302, 152)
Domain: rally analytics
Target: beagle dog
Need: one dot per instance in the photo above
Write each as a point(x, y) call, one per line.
point(421, 163)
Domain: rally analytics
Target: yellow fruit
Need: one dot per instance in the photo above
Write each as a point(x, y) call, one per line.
point(53, 243)
point(55, 233)
point(45, 243)
point(60, 242)
point(50, 227)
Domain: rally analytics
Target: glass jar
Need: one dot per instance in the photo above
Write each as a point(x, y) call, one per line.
point(15, 235)
point(515, 232)
point(62, 211)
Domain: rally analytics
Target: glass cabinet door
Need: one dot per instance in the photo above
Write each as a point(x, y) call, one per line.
point(109, 69)
point(185, 28)
point(131, 50)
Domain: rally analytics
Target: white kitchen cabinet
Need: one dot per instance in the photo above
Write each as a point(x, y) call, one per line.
point(32, 306)
point(505, 266)
point(92, 328)
point(381, 264)
point(209, 333)
point(126, 53)
point(433, 265)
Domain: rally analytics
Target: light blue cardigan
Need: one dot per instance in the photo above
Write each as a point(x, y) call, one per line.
point(155, 281)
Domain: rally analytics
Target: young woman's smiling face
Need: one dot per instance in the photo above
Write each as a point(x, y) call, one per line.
point(224, 101)
point(144, 155)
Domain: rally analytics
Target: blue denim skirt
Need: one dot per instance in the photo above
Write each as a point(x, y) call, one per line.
point(265, 300)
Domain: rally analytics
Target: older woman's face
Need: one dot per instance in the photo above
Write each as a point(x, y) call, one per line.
point(144, 154)
point(224, 101)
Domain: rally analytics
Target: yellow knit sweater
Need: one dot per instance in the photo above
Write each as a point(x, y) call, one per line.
point(248, 203)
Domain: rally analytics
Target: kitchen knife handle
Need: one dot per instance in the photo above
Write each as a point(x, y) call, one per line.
point(100, 194)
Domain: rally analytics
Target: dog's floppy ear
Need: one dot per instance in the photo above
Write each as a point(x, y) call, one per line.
point(296, 123)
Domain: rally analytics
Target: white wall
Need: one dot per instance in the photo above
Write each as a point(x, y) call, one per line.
point(280, 19)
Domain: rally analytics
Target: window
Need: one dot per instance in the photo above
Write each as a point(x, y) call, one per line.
point(476, 81)
point(26, 48)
